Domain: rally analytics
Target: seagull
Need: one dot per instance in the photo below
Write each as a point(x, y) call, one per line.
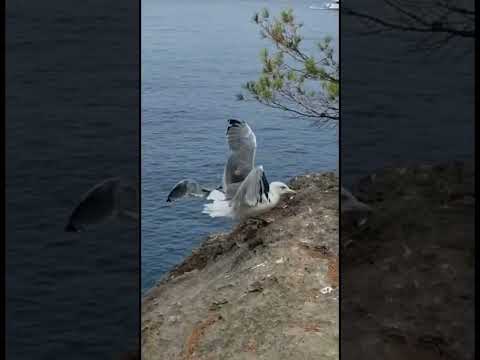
point(246, 190)
point(254, 196)
point(109, 199)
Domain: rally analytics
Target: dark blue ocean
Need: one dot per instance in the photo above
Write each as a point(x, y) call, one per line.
point(196, 55)
point(72, 115)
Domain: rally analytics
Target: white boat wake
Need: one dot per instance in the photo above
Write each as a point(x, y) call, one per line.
point(334, 5)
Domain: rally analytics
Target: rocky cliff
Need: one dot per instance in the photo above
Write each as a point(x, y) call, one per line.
point(269, 290)
point(266, 290)
point(407, 275)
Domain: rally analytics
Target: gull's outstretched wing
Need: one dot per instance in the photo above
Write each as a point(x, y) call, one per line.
point(350, 203)
point(243, 144)
point(187, 187)
point(107, 199)
point(253, 190)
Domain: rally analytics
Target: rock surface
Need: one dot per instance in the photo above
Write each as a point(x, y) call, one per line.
point(407, 276)
point(266, 290)
point(263, 290)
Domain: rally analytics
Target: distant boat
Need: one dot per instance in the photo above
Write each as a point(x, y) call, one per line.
point(334, 5)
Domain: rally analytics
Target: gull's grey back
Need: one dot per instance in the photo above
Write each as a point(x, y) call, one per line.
point(253, 190)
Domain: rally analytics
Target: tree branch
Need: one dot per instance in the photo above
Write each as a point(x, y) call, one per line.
point(418, 24)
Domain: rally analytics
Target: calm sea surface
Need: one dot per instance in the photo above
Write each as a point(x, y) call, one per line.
point(403, 101)
point(71, 121)
point(195, 57)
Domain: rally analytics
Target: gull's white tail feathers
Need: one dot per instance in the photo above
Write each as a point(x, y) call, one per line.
point(218, 208)
point(216, 195)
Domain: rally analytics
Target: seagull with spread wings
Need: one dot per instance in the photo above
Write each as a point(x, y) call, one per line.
point(245, 191)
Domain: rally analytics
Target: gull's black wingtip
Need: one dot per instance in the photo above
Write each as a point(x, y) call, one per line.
point(234, 122)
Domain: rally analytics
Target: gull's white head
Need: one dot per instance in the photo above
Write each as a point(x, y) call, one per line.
point(280, 188)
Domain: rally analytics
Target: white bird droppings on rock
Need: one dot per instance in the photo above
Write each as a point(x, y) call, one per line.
point(257, 266)
point(326, 290)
